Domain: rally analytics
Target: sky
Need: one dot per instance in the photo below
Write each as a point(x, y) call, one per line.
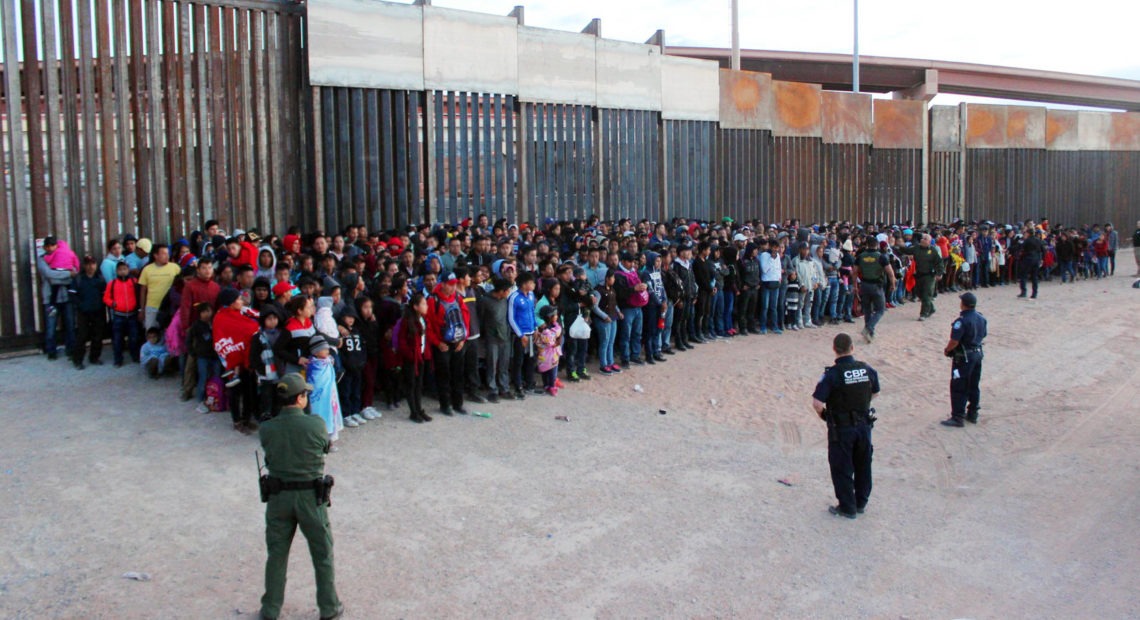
point(1096, 37)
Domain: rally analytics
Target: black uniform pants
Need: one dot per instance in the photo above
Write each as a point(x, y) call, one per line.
point(965, 386)
point(849, 455)
point(449, 376)
point(1027, 270)
point(89, 326)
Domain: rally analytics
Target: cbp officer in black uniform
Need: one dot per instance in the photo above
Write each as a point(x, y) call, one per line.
point(965, 348)
point(874, 270)
point(843, 399)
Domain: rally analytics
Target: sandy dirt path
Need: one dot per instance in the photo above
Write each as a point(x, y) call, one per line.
point(621, 512)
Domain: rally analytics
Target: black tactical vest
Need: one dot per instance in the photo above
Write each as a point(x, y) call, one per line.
point(853, 395)
point(870, 268)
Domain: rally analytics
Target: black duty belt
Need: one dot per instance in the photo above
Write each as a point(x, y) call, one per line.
point(849, 418)
point(307, 485)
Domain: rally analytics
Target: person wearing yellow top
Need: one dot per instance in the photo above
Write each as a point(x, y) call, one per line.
point(154, 282)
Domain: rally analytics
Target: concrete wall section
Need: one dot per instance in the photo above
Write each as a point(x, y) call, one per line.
point(557, 67)
point(846, 118)
point(366, 44)
point(690, 89)
point(1025, 127)
point(945, 129)
point(746, 100)
point(798, 110)
point(470, 51)
point(899, 124)
point(629, 75)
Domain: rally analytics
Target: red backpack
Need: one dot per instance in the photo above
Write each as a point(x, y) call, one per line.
point(216, 395)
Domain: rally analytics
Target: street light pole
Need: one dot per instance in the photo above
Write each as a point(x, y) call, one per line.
point(855, 64)
point(736, 35)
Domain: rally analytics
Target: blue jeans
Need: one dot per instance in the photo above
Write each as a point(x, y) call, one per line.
point(663, 337)
point(1067, 268)
point(728, 312)
point(818, 301)
point(650, 315)
point(124, 327)
point(209, 366)
point(1101, 269)
point(630, 334)
point(832, 301)
point(782, 306)
point(606, 334)
point(716, 321)
point(58, 317)
point(769, 308)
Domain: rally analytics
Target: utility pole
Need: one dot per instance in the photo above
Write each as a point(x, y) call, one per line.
point(736, 35)
point(855, 64)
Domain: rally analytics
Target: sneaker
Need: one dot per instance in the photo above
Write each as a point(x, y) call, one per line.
point(493, 398)
point(475, 397)
point(953, 422)
point(558, 383)
point(582, 374)
point(606, 370)
point(360, 419)
point(233, 382)
point(507, 396)
point(573, 377)
point(351, 422)
point(553, 391)
point(370, 413)
point(615, 369)
point(839, 513)
point(638, 361)
point(461, 410)
point(202, 408)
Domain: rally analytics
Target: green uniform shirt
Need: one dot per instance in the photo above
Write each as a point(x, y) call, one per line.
point(927, 261)
point(295, 445)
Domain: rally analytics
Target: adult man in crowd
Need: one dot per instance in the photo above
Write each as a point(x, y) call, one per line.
point(842, 398)
point(632, 296)
point(965, 348)
point(154, 282)
point(928, 268)
point(295, 446)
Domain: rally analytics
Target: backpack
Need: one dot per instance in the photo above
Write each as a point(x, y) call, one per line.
point(637, 299)
point(216, 395)
point(454, 329)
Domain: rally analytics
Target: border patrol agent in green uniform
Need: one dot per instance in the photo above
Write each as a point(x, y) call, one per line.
point(297, 495)
point(928, 266)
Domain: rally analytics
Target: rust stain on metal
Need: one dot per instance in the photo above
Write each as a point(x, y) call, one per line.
point(846, 118)
point(898, 123)
point(745, 100)
point(986, 126)
point(1061, 130)
point(1125, 131)
point(1025, 127)
point(797, 109)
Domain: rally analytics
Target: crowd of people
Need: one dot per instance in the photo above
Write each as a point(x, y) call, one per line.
point(480, 311)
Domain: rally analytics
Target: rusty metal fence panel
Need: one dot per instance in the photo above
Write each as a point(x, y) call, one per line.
point(743, 174)
point(797, 178)
point(475, 159)
point(689, 168)
point(846, 182)
point(896, 185)
point(629, 152)
point(945, 185)
point(145, 116)
point(370, 157)
point(559, 161)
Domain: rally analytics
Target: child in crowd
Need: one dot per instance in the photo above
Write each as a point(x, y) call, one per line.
point(411, 347)
point(388, 313)
point(325, 324)
point(154, 357)
point(234, 332)
point(324, 401)
point(353, 358)
point(606, 310)
point(264, 363)
point(370, 336)
point(549, 340)
point(121, 297)
point(200, 344)
point(521, 317)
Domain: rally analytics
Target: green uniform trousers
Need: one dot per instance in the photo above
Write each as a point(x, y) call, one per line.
point(284, 513)
point(925, 286)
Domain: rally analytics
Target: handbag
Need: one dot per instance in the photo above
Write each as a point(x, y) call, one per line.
point(580, 329)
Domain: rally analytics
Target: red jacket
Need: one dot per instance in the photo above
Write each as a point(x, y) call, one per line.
point(435, 316)
point(194, 292)
point(408, 347)
point(120, 295)
point(247, 256)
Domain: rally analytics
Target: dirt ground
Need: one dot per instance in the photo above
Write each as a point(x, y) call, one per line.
point(620, 512)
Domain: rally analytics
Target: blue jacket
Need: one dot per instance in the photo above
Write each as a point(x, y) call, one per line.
point(520, 313)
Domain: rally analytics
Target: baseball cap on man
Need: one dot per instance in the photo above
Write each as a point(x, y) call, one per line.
point(292, 384)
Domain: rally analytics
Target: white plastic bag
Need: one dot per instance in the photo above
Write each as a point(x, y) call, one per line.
point(580, 329)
